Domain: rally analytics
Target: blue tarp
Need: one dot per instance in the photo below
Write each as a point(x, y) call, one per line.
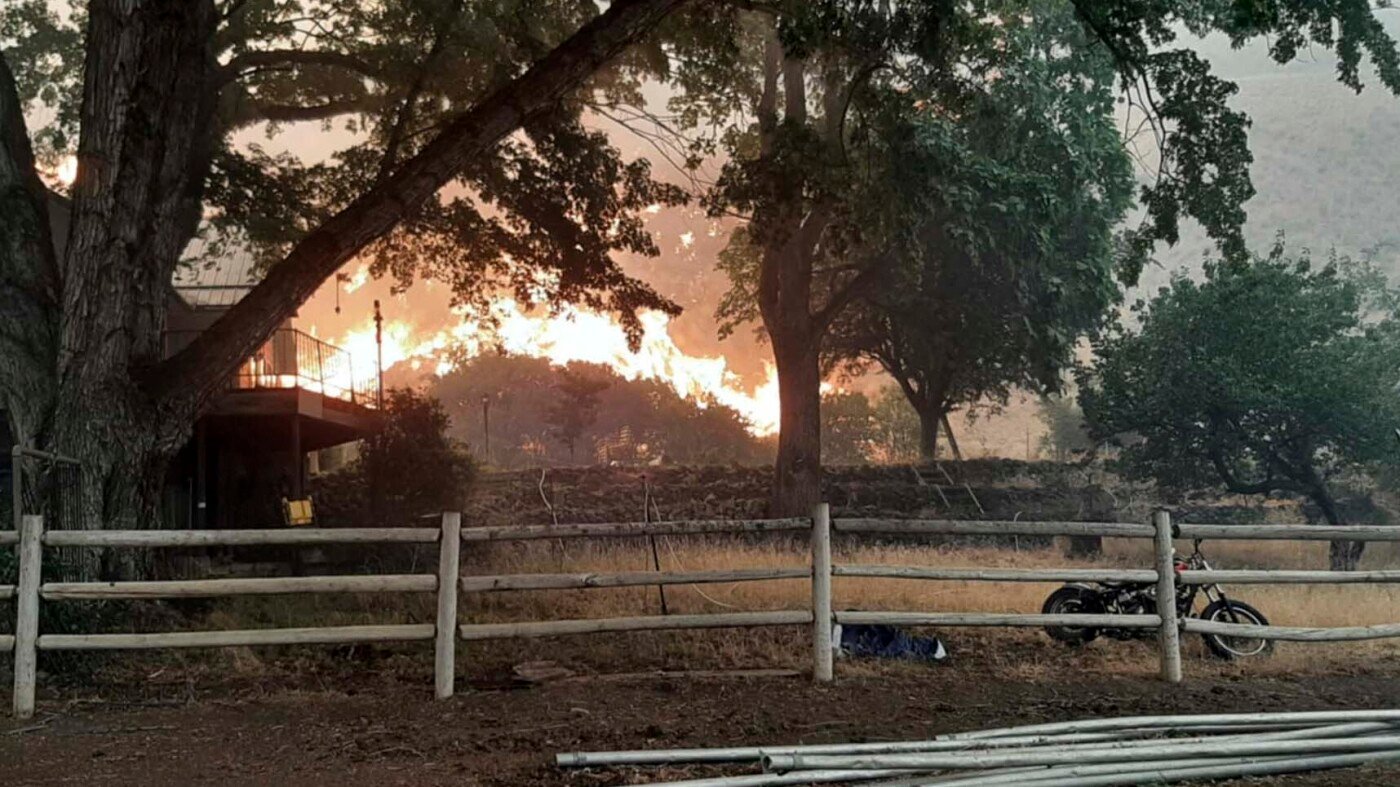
point(888, 642)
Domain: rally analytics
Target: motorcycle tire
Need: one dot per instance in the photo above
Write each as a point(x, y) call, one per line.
point(1071, 600)
point(1230, 648)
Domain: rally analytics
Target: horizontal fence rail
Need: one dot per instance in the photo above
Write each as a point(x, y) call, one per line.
point(211, 538)
point(623, 529)
point(1293, 633)
point(997, 574)
point(499, 582)
point(998, 619)
point(328, 635)
point(208, 588)
point(1291, 532)
point(554, 628)
point(955, 527)
point(448, 583)
point(1243, 577)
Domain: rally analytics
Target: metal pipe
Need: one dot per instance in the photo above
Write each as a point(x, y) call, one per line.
point(1017, 776)
point(1061, 756)
point(949, 743)
point(1334, 731)
point(1064, 776)
point(755, 753)
point(1184, 721)
point(1010, 777)
point(1173, 771)
point(779, 779)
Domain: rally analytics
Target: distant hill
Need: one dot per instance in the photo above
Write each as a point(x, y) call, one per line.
point(1326, 159)
point(634, 422)
point(1326, 171)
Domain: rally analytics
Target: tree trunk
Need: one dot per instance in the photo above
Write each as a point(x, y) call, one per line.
point(929, 422)
point(1098, 506)
point(797, 476)
point(124, 458)
point(148, 105)
point(1341, 555)
point(1345, 555)
point(28, 276)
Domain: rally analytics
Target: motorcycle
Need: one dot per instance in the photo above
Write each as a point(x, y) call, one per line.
point(1140, 598)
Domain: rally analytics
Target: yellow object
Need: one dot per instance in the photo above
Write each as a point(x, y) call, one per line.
point(297, 512)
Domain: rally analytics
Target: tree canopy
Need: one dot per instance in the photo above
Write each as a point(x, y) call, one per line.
point(837, 137)
point(1271, 375)
point(1018, 260)
point(418, 160)
point(413, 465)
point(634, 421)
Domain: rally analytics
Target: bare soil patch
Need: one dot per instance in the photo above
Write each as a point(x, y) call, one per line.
point(362, 727)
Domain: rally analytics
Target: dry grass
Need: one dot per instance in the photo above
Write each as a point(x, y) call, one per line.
point(1026, 654)
point(1286, 605)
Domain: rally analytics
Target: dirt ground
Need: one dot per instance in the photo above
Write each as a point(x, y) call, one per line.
point(364, 727)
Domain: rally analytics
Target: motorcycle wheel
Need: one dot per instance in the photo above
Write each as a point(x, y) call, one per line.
point(1231, 648)
point(1071, 600)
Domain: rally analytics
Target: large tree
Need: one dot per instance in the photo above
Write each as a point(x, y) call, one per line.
point(158, 99)
point(1271, 375)
point(575, 410)
point(1019, 260)
point(830, 175)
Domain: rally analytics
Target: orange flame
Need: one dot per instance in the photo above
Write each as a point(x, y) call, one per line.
point(68, 170)
point(578, 335)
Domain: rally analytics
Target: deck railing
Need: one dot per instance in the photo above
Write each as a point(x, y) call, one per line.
point(292, 359)
point(447, 583)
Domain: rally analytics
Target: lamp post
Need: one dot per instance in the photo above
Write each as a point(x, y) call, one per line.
point(486, 425)
point(379, 355)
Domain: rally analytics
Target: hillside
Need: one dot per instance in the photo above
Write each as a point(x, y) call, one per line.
point(975, 489)
point(1325, 164)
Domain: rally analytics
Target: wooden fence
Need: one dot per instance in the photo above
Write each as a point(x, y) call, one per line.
point(447, 583)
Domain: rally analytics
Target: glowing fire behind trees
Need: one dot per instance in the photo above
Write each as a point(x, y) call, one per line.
point(573, 335)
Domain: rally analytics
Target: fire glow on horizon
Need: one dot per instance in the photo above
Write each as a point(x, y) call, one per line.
point(574, 335)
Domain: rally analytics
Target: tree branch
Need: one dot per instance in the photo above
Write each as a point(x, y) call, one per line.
point(244, 62)
point(192, 375)
point(253, 112)
point(852, 289)
point(415, 90)
point(768, 99)
point(1233, 482)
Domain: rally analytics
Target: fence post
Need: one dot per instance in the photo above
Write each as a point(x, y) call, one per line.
point(1169, 636)
point(445, 652)
point(821, 594)
point(27, 619)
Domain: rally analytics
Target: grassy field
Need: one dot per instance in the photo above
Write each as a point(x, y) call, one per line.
point(1022, 653)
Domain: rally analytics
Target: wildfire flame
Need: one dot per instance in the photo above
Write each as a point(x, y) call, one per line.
point(575, 335)
point(68, 170)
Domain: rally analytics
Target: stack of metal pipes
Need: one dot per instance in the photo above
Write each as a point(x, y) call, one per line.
point(1085, 753)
